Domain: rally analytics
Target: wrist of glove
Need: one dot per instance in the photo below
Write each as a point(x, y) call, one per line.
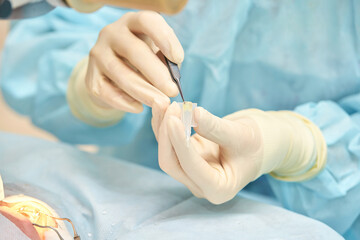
point(293, 148)
point(83, 106)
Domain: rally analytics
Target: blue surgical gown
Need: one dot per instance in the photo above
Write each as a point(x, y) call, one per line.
point(272, 55)
point(109, 199)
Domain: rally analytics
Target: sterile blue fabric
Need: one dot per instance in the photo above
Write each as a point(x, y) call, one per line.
point(52, 48)
point(271, 55)
point(110, 199)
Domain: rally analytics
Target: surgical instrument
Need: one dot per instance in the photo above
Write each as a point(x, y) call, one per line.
point(175, 74)
point(52, 228)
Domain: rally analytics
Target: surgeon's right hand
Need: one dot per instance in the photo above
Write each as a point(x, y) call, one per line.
point(124, 69)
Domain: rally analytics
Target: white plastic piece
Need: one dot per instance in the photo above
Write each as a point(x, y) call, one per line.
point(187, 117)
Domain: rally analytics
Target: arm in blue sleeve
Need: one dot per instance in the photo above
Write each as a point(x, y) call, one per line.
point(38, 59)
point(333, 196)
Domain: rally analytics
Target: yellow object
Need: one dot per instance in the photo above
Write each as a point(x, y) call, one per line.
point(37, 212)
point(187, 117)
point(187, 106)
point(302, 170)
point(162, 6)
point(81, 104)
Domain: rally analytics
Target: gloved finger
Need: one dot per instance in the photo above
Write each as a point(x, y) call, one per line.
point(130, 81)
point(154, 48)
point(154, 25)
point(213, 128)
point(140, 55)
point(103, 91)
point(211, 152)
point(168, 161)
point(198, 169)
point(158, 112)
point(150, 43)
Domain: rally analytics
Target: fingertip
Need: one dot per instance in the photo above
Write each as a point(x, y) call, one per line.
point(177, 50)
point(156, 104)
point(172, 90)
point(177, 53)
point(173, 103)
point(175, 108)
point(161, 103)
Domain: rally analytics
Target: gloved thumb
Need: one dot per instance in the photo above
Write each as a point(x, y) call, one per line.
point(213, 128)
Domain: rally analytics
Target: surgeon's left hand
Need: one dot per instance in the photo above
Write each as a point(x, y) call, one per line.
point(227, 153)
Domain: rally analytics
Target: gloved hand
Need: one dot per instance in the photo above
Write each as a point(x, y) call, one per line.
point(226, 154)
point(124, 69)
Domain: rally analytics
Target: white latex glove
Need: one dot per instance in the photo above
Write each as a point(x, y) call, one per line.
point(125, 69)
point(226, 154)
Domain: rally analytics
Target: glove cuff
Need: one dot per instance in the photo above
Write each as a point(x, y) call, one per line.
point(81, 104)
point(308, 150)
point(293, 147)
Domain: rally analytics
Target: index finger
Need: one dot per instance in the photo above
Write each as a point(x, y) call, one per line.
point(197, 168)
point(154, 25)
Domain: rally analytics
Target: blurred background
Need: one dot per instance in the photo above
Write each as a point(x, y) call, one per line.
point(10, 121)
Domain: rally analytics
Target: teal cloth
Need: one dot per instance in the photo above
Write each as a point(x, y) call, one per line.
point(109, 199)
point(298, 55)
